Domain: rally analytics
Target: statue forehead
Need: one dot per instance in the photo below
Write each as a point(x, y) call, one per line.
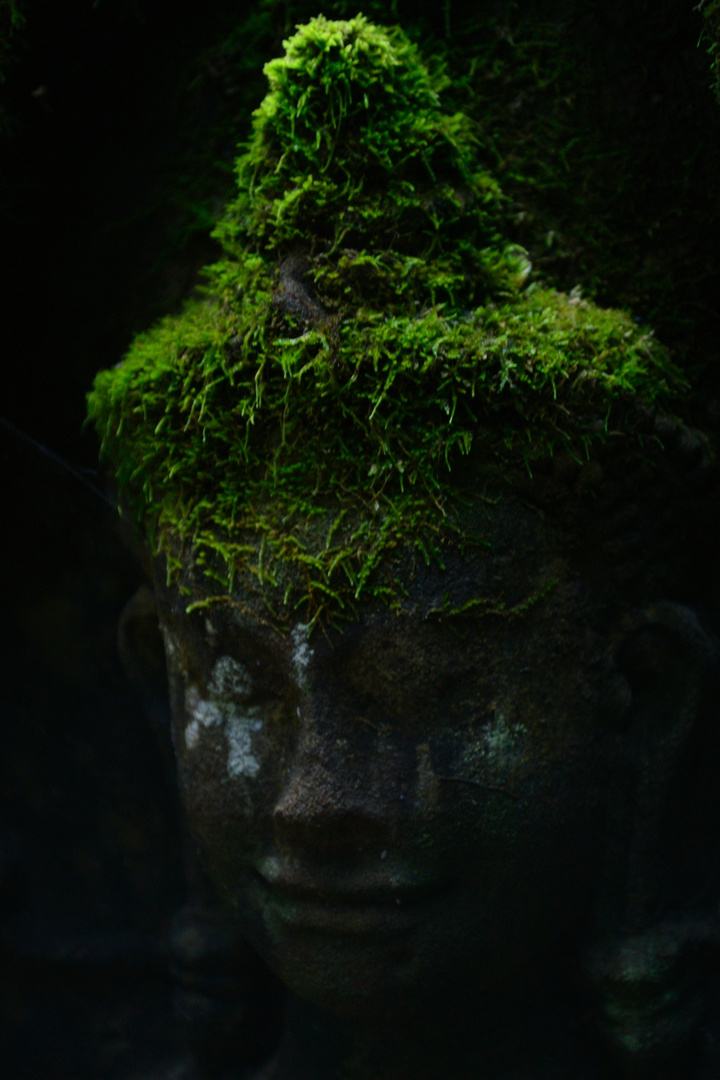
point(489, 603)
point(503, 550)
point(412, 677)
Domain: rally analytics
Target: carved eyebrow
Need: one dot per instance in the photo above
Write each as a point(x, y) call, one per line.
point(497, 788)
point(243, 629)
point(245, 617)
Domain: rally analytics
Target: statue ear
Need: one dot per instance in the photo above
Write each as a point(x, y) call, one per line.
point(670, 663)
point(666, 656)
point(658, 921)
point(142, 653)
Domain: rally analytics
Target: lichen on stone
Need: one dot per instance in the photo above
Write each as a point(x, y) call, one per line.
point(368, 330)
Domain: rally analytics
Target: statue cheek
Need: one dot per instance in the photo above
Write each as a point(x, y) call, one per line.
point(229, 789)
point(227, 741)
point(219, 720)
point(497, 752)
point(239, 727)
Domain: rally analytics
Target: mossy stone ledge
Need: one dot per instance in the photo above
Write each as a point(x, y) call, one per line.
point(368, 330)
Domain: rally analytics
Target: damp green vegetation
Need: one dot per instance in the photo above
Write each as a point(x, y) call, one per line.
point(479, 606)
point(595, 120)
point(367, 341)
point(12, 18)
point(710, 11)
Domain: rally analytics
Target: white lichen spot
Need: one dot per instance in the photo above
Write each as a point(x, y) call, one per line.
point(170, 646)
point(302, 654)
point(241, 727)
point(502, 743)
point(427, 787)
point(229, 680)
point(204, 711)
point(224, 705)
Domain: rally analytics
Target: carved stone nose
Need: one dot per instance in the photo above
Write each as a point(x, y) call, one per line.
point(318, 812)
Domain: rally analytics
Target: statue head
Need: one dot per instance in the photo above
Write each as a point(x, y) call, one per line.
point(429, 554)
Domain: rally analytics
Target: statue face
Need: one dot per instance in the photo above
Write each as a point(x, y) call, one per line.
point(407, 811)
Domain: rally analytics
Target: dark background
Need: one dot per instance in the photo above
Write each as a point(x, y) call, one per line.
point(120, 121)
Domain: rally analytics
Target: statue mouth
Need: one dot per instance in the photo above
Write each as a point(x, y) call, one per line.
point(372, 902)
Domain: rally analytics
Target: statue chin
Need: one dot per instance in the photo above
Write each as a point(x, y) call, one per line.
point(431, 823)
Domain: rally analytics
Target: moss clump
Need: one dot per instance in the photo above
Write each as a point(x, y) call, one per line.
point(365, 332)
point(353, 163)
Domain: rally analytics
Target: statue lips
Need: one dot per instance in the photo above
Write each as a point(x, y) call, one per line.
point(376, 903)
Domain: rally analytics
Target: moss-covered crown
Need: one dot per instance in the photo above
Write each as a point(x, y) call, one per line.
point(366, 331)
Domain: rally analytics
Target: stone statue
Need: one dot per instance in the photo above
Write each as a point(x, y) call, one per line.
point(431, 556)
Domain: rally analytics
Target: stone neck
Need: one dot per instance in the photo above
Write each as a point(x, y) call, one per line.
point(532, 1033)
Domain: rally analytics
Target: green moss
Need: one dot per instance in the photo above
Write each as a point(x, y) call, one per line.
point(366, 333)
point(602, 137)
point(351, 158)
point(710, 10)
point(12, 19)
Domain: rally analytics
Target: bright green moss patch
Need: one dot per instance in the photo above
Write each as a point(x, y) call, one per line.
point(353, 163)
point(364, 337)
